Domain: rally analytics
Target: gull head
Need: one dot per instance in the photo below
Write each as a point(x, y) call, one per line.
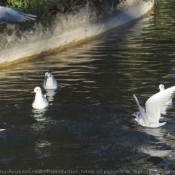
point(36, 90)
point(48, 74)
point(136, 114)
point(161, 87)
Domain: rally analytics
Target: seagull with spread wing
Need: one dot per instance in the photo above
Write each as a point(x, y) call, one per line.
point(151, 115)
point(8, 15)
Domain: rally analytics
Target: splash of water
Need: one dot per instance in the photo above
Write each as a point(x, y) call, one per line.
point(84, 22)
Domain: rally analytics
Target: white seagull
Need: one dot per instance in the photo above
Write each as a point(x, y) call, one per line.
point(162, 88)
point(49, 81)
point(8, 15)
point(150, 117)
point(40, 100)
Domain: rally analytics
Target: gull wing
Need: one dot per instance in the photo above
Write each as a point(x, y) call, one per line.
point(156, 102)
point(44, 99)
point(44, 82)
point(142, 112)
point(137, 102)
point(10, 15)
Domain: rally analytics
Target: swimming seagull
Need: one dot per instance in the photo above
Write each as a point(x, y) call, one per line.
point(40, 100)
point(162, 88)
point(8, 15)
point(150, 117)
point(49, 81)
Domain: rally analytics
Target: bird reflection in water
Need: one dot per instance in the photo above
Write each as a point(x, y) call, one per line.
point(41, 148)
point(50, 93)
point(39, 114)
point(41, 118)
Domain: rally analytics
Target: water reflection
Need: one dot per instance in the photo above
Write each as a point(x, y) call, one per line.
point(41, 119)
point(152, 151)
point(160, 148)
point(157, 132)
point(39, 114)
point(50, 93)
point(42, 147)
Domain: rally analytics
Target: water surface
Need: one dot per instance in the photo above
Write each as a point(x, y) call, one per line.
point(87, 127)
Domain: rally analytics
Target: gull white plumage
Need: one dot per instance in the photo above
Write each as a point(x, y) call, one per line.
point(40, 100)
point(150, 117)
point(162, 88)
point(8, 15)
point(49, 81)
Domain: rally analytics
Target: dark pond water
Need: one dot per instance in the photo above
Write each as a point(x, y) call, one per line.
point(87, 128)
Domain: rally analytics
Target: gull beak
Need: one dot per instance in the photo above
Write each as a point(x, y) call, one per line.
point(32, 92)
point(132, 115)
